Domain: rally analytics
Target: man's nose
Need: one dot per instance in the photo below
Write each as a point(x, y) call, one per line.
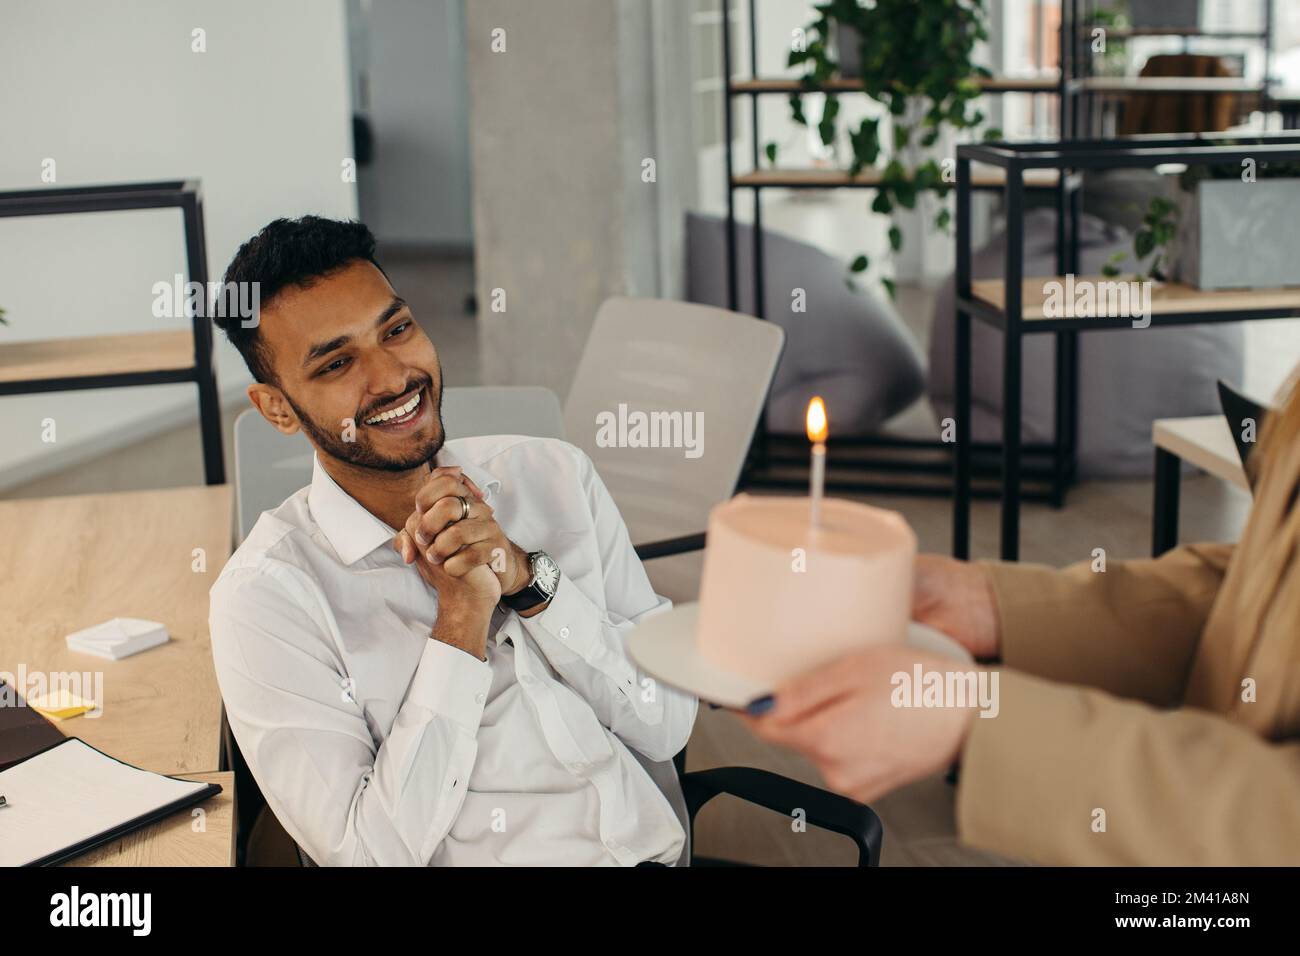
point(386, 376)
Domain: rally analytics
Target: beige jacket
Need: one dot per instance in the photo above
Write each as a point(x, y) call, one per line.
point(1128, 692)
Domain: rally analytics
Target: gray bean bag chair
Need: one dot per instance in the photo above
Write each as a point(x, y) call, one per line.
point(1127, 377)
point(849, 347)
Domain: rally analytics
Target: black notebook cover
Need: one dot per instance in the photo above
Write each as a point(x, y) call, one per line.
point(127, 826)
point(23, 730)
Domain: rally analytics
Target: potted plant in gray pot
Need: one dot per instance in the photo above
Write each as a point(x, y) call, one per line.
point(915, 58)
point(1221, 227)
point(1237, 225)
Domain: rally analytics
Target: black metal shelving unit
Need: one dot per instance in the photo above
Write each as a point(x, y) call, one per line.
point(901, 456)
point(1079, 92)
point(1078, 19)
point(1053, 467)
point(44, 358)
point(1002, 304)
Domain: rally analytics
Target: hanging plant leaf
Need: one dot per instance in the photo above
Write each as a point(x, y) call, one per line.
point(1144, 243)
point(895, 238)
point(859, 264)
point(917, 61)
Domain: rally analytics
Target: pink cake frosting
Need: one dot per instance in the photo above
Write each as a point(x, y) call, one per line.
point(764, 618)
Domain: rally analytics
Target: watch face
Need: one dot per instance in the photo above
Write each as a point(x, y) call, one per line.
point(546, 572)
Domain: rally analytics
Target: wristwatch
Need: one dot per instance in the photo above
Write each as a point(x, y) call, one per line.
point(539, 590)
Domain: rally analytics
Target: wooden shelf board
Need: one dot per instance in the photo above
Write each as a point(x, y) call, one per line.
point(1169, 84)
point(993, 84)
point(981, 176)
point(1166, 298)
point(96, 355)
point(1119, 33)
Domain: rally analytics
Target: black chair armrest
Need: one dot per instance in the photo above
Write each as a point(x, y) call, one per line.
point(670, 546)
point(823, 809)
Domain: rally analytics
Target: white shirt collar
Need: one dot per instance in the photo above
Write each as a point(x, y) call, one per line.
point(353, 531)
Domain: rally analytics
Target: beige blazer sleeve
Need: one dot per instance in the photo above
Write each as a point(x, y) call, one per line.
point(1178, 788)
point(1132, 629)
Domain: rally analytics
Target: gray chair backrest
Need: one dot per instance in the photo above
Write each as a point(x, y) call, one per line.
point(656, 356)
point(648, 356)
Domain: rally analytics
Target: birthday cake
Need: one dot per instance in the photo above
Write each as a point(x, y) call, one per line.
point(781, 596)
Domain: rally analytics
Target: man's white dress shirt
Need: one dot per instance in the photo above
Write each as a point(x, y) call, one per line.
point(375, 744)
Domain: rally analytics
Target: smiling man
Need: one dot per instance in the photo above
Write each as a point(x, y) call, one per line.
point(421, 653)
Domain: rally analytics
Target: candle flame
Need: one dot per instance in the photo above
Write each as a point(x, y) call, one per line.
point(817, 420)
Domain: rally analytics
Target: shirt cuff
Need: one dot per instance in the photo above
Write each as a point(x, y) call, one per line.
point(451, 682)
point(577, 624)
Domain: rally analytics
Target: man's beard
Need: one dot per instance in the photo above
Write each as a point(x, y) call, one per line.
point(361, 452)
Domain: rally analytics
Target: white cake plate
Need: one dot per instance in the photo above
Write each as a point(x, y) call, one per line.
point(665, 648)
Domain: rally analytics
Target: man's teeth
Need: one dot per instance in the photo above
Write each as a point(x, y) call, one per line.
point(398, 412)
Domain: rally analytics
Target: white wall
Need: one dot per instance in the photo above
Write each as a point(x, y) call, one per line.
point(113, 93)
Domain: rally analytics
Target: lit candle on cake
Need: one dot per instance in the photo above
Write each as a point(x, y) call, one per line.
point(816, 423)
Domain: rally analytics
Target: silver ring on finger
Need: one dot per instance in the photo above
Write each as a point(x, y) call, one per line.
point(464, 508)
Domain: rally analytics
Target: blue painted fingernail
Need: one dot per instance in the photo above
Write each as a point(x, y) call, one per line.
point(713, 706)
point(760, 706)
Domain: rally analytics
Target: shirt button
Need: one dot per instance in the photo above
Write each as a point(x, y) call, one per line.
point(479, 698)
point(564, 633)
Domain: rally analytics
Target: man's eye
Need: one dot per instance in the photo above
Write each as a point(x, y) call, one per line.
point(334, 366)
point(399, 328)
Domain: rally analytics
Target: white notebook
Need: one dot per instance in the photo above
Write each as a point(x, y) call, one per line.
point(70, 797)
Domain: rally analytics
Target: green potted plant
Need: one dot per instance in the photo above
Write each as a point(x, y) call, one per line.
point(1222, 227)
point(915, 58)
point(1236, 226)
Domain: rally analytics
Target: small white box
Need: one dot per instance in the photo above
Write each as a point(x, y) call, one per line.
point(121, 637)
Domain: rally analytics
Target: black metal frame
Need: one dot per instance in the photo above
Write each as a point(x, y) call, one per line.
point(821, 808)
point(1168, 488)
point(1057, 477)
point(1072, 156)
point(185, 195)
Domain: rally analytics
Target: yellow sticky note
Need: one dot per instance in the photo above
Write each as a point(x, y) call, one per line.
point(60, 705)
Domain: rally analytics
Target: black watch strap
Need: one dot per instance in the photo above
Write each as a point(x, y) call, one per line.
point(531, 594)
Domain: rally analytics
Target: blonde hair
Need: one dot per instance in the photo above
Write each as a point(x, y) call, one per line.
point(1259, 606)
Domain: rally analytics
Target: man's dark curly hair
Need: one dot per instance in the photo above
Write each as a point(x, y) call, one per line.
point(289, 252)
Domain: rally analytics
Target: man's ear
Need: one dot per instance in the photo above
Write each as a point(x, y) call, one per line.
point(275, 408)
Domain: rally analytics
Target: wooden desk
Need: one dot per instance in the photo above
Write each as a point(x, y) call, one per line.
point(1206, 442)
point(67, 563)
point(174, 842)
